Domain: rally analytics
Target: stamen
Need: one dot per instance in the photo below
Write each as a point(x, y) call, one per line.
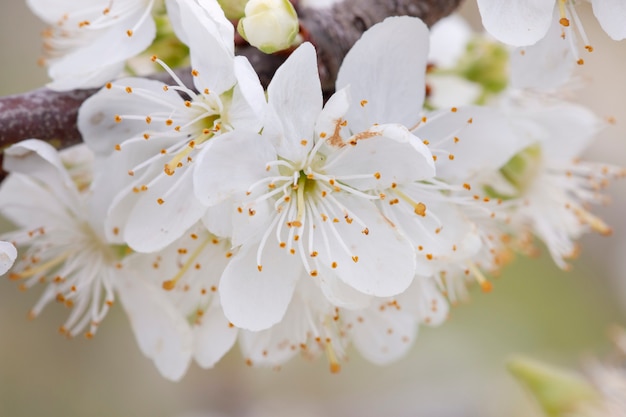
point(594, 222)
point(564, 21)
point(335, 366)
point(479, 277)
point(170, 284)
point(418, 208)
point(29, 272)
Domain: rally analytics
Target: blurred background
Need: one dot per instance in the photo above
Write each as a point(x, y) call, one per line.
point(455, 370)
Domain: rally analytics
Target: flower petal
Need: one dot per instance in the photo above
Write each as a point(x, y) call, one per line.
point(481, 139)
point(163, 213)
point(273, 346)
point(564, 129)
point(295, 99)
point(385, 154)
point(517, 23)
point(432, 307)
point(330, 122)
point(213, 337)
point(41, 161)
point(44, 208)
point(256, 299)
point(161, 331)
point(341, 294)
point(386, 68)
point(448, 40)
point(103, 58)
point(611, 14)
point(248, 106)
point(229, 165)
point(209, 35)
point(368, 254)
point(546, 65)
point(382, 333)
point(8, 253)
point(102, 130)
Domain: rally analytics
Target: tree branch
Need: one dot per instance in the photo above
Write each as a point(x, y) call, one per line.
point(51, 116)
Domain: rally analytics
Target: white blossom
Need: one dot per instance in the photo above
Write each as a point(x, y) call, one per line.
point(546, 185)
point(63, 235)
point(89, 41)
point(174, 306)
point(524, 23)
point(301, 191)
point(150, 135)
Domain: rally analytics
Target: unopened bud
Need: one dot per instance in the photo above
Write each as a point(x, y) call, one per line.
point(269, 25)
point(559, 392)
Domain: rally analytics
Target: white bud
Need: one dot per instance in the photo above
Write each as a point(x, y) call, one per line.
point(269, 25)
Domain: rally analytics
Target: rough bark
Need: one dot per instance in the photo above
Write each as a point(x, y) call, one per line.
point(51, 116)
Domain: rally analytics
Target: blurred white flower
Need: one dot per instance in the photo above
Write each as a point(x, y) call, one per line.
point(174, 306)
point(382, 331)
point(63, 233)
point(546, 185)
point(89, 41)
point(525, 23)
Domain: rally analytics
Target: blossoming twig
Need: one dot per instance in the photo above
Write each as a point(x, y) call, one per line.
point(51, 116)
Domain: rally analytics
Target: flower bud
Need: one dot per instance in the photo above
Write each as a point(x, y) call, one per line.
point(269, 25)
point(559, 392)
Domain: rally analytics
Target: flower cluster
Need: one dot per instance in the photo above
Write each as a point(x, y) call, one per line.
point(223, 212)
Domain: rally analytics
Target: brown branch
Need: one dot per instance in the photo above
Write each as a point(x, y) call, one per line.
point(51, 116)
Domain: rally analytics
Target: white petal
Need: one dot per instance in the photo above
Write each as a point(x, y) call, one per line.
point(8, 253)
point(517, 23)
point(486, 141)
point(611, 14)
point(295, 99)
point(386, 67)
point(451, 90)
point(329, 124)
point(251, 220)
point(113, 180)
point(218, 219)
point(44, 208)
point(209, 13)
point(448, 39)
point(566, 129)
point(388, 153)
point(248, 106)
point(52, 10)
point(379, 261)
point(341, 294)
point(210, 37)
point(546, 65)
point(253, 299)
point(41, 161)
point(213, 337)
point(433, 308)
point(96, 117)
point(161, 331)
point(274, 346)
point(383, 333)
point(152, 225)
point(230, 164)
point(107, 52)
